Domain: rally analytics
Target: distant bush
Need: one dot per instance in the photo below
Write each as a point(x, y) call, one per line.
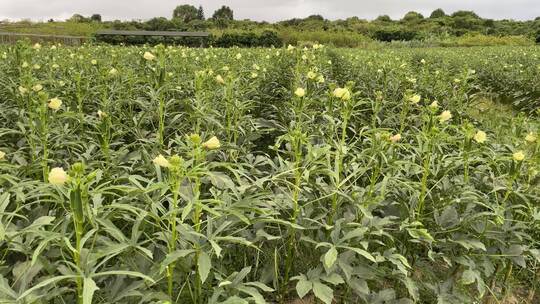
point(226, 40)
point(154, 40)
point(388, 35)
point(248, 39)
point(338, 39)
point(484, 40)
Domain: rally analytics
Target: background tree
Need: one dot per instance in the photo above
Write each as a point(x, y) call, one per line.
point(413, 16)
point(77, 18)
point(200, 13)
point(438, 13)
point(224, 13)
point(466, 14)
point(96, 18)
point(159, 24)
point(384, 18)
point(186, 13)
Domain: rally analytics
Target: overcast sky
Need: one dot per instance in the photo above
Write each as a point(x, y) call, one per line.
point(267, 10)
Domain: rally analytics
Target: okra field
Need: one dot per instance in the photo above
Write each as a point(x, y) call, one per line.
point(140, 174)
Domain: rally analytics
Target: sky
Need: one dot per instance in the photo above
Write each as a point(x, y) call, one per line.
point(267, 10)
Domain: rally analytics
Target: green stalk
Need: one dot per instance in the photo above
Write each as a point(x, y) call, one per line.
point(423, 182)
point(338, 167)
point(403, 115)
point(161, 112)
point(197, 214)
point(174, 236)
point(78, 223)
point(43, 135)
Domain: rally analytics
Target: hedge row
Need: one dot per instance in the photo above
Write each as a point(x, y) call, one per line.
point(247, 39)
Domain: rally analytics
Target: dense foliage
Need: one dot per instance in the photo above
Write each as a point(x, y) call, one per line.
point(177, 175)
point(226, 40)
point(440, 29)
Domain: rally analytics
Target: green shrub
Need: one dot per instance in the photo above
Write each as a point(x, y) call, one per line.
point(389, 35)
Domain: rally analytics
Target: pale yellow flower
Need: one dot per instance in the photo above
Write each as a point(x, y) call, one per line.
point(531, 137)
point(25, 64)
point(238, 56)
point(161, 161)
point(37, 46)
point(254, 75)
point(212, 143)
point(300, 92)
point(38, 87)
point(434, 105)
point(113, 71)
point(320, 79)
point(480, 137)
point(342, 93)
point(290, 48)
point(23, 90)
point(415, 98)
point(55, 103)
point(93, 62)
point(220, 79)
point(311, 75)
point(58, 176)
point(2, 155)
point(445, 116)
point(395, 138)
point(101, 114)
point(149, 56)
point(518, 156)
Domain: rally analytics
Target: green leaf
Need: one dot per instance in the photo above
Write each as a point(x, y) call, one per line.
point(303, 287)
point(2, 232)
point(41, 221)
point(333, 278)
point(254, 293)
point(468, 277)
point(359, 286)
point(261, 286)
point(470, 244)
point(330, 257)
point(363, 253)
point(220, 180)
point(45, 283)
point(42, 245)
point(172, 257)
point(217, 248)
point(89, 288)
point(204, 266)
point(449, 218)
point(235, 300)
point(126, 273)
point(323, 292)
point(5, 289)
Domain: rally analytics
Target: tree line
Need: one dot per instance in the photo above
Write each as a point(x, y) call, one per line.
point(412, 26)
